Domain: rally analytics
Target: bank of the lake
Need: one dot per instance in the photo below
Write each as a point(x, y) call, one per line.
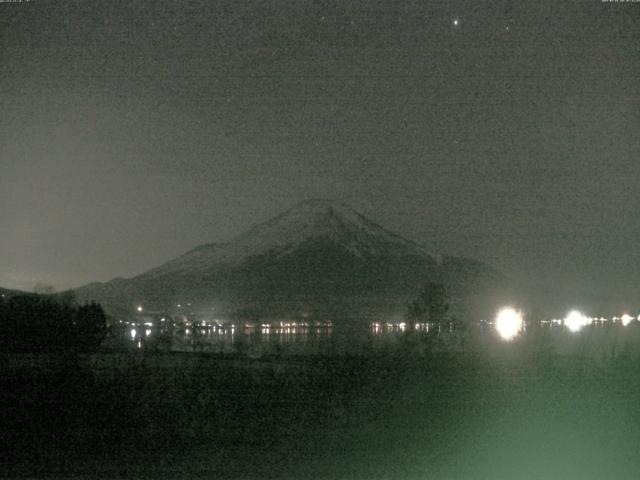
point(177, 415)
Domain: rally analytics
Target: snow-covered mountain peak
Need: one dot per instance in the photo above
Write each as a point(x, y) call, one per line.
point(311, 221)
point(330, 221)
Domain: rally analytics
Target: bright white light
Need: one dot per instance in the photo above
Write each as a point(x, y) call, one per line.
point(626, 319)
point(139, 308)
point(575, 320)
point(456, 22)
point(147, 332)
point(133, 333)
point(509, 323)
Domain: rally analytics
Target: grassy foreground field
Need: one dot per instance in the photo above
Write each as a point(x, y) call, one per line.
point(167, 415)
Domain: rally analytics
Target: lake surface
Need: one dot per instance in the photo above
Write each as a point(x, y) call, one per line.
point(356, 338)
point(322, 339)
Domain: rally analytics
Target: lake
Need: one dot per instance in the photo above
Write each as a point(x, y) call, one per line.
point(359, 337)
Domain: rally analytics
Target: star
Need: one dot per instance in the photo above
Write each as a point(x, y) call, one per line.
point(456, 22)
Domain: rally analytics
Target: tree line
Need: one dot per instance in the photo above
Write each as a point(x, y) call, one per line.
point(431, 305)
point(48, 323)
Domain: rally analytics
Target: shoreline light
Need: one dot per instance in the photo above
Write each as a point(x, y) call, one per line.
point(509, 323)
point(626, 319)
point(575, 321)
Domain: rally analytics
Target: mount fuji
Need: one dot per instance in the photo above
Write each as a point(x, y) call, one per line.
point(320, 258)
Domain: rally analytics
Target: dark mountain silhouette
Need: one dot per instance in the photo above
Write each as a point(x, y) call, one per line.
point(7, 293)
point(320, 258)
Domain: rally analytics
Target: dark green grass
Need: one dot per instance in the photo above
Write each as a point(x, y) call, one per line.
point(508, 415)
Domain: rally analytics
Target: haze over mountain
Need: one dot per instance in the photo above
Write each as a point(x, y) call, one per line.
point(320, 258)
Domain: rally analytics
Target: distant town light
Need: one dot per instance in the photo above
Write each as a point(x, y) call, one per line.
point(575, 321)
point(133, 333)
point(626, 319)
point(147, 332)
point(509, 323)
point(139, 308)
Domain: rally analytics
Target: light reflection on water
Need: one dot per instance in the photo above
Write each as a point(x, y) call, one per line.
point(248, 339)
point(339, 338)
point(290, 338)
point(255, 342)
point(261, 339)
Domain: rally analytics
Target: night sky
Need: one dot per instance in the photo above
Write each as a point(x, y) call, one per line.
point(133, 131)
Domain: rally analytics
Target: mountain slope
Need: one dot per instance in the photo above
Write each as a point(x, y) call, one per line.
point(313, 219)
point(317, 254)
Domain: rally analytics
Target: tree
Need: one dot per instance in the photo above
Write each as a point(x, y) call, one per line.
point(91, 327)
point(431, 305)
point(46, 323)
point(44, 289)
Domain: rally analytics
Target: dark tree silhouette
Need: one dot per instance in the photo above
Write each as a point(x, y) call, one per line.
point(90, 326)
point(431, 305)
point(37, 323)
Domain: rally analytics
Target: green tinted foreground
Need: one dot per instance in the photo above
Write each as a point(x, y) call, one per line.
point(195, 416)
